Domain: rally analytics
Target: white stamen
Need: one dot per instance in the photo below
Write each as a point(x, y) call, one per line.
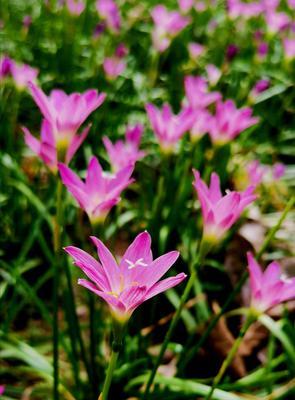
point(137, 262)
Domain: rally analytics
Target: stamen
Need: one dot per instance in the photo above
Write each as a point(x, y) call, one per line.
point(137, 262)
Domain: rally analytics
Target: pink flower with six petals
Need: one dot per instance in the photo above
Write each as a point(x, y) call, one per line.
point(100, 192)
point(126, 285)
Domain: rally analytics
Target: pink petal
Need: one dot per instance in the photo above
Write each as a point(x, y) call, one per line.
point(94, 179)
point(109, 264)
point(139, 248)
point(133, 297)
point(76, 143)
point(42, 102)
point(31, 141)
point(255, 272)
point(164, 285)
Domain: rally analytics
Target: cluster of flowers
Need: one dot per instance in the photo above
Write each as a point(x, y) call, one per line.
point(136, 278)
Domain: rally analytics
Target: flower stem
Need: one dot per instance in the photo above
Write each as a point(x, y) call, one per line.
point(227, 362)
point(57, 249)
point(172, 326)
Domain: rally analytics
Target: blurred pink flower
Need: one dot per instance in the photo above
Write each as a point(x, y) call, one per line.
point(213, 74)
point(268, 288)
point(2, 389)
point(75, 7)
point(27, 20)
point(5, 66)
point(167, 25)
point(279, 170)
point(185, 5)
point(219, 212)
point(100, 192)
point(277, 21)
point(195, 50)
point(262, 50)
point(46, 147)
point(259, 87)
point(168, 127)
point(113, 67)
point(291, 4)
point(125, 153)
point(201, 5)
point(66, 113)
point(237, 8)
point(109, 11)
point(201, 124)
point(126, 285)
point(196, 91)
point(229, 121)
point(22, 74)
point(256, 172)
point(289, 48)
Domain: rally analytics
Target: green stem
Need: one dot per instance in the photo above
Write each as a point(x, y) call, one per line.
point(172, 326)
point(227, 362)
point(237, 288)
point(57, 249)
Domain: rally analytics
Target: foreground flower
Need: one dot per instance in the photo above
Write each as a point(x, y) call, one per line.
point(109, 11)
point(196, 91)
point(22, 74)
point(135, 279)
point(100, 192)
point(122, 154)
point(169, 128)
point(219, 212)
point(229, 121)
point(167, 25)
point(268, 288)
point(66, 113)
point(46, 147)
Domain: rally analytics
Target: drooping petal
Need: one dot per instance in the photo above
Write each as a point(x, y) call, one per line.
point(76, 143)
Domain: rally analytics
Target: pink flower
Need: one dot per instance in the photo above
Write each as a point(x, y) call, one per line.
point(22, 74)
point(167, 25)
point(169, 128)
point(126, 285)
point(195, 50)
point(259, 87)
point(289, 48)
point(201, 124)
point(125, 153)
point(46, 147)
point(100, 192)
point(268, 288)
point(66, 113)
point(5, 67)
point(256, 172)
point(229, 121)
point(2, 389)
point(262, 50)
point(196, 91)
point(109, 11)
point(113, 67)
point(219, 212)
point(213, 74)
point(185, 5)
point(277, 21)
point(278, 171)
point(291, 4)
point(238, 8)
point(75, 7)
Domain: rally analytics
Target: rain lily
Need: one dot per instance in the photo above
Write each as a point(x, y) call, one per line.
point(167, 25)
point(219, 212)
point(196, 91)
point(2, 389)
point(66, 113)
point(201, 124)
point(100, 191)
point(115, 65)
point(289, 48)
point(256, 172)
point(126, 285)
point(122, 154)
point(238, 8)
point(268, 288)
point(46, 147)
point(75, 7)
point(229, 121)
point(185, 5)
point(5, 67)
point(22, 74)
point(108, 10)
point(195, 50)
point(213, 74)
point(278, 170)
point(259, 87)
point(277, 21)
point(168, 127)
